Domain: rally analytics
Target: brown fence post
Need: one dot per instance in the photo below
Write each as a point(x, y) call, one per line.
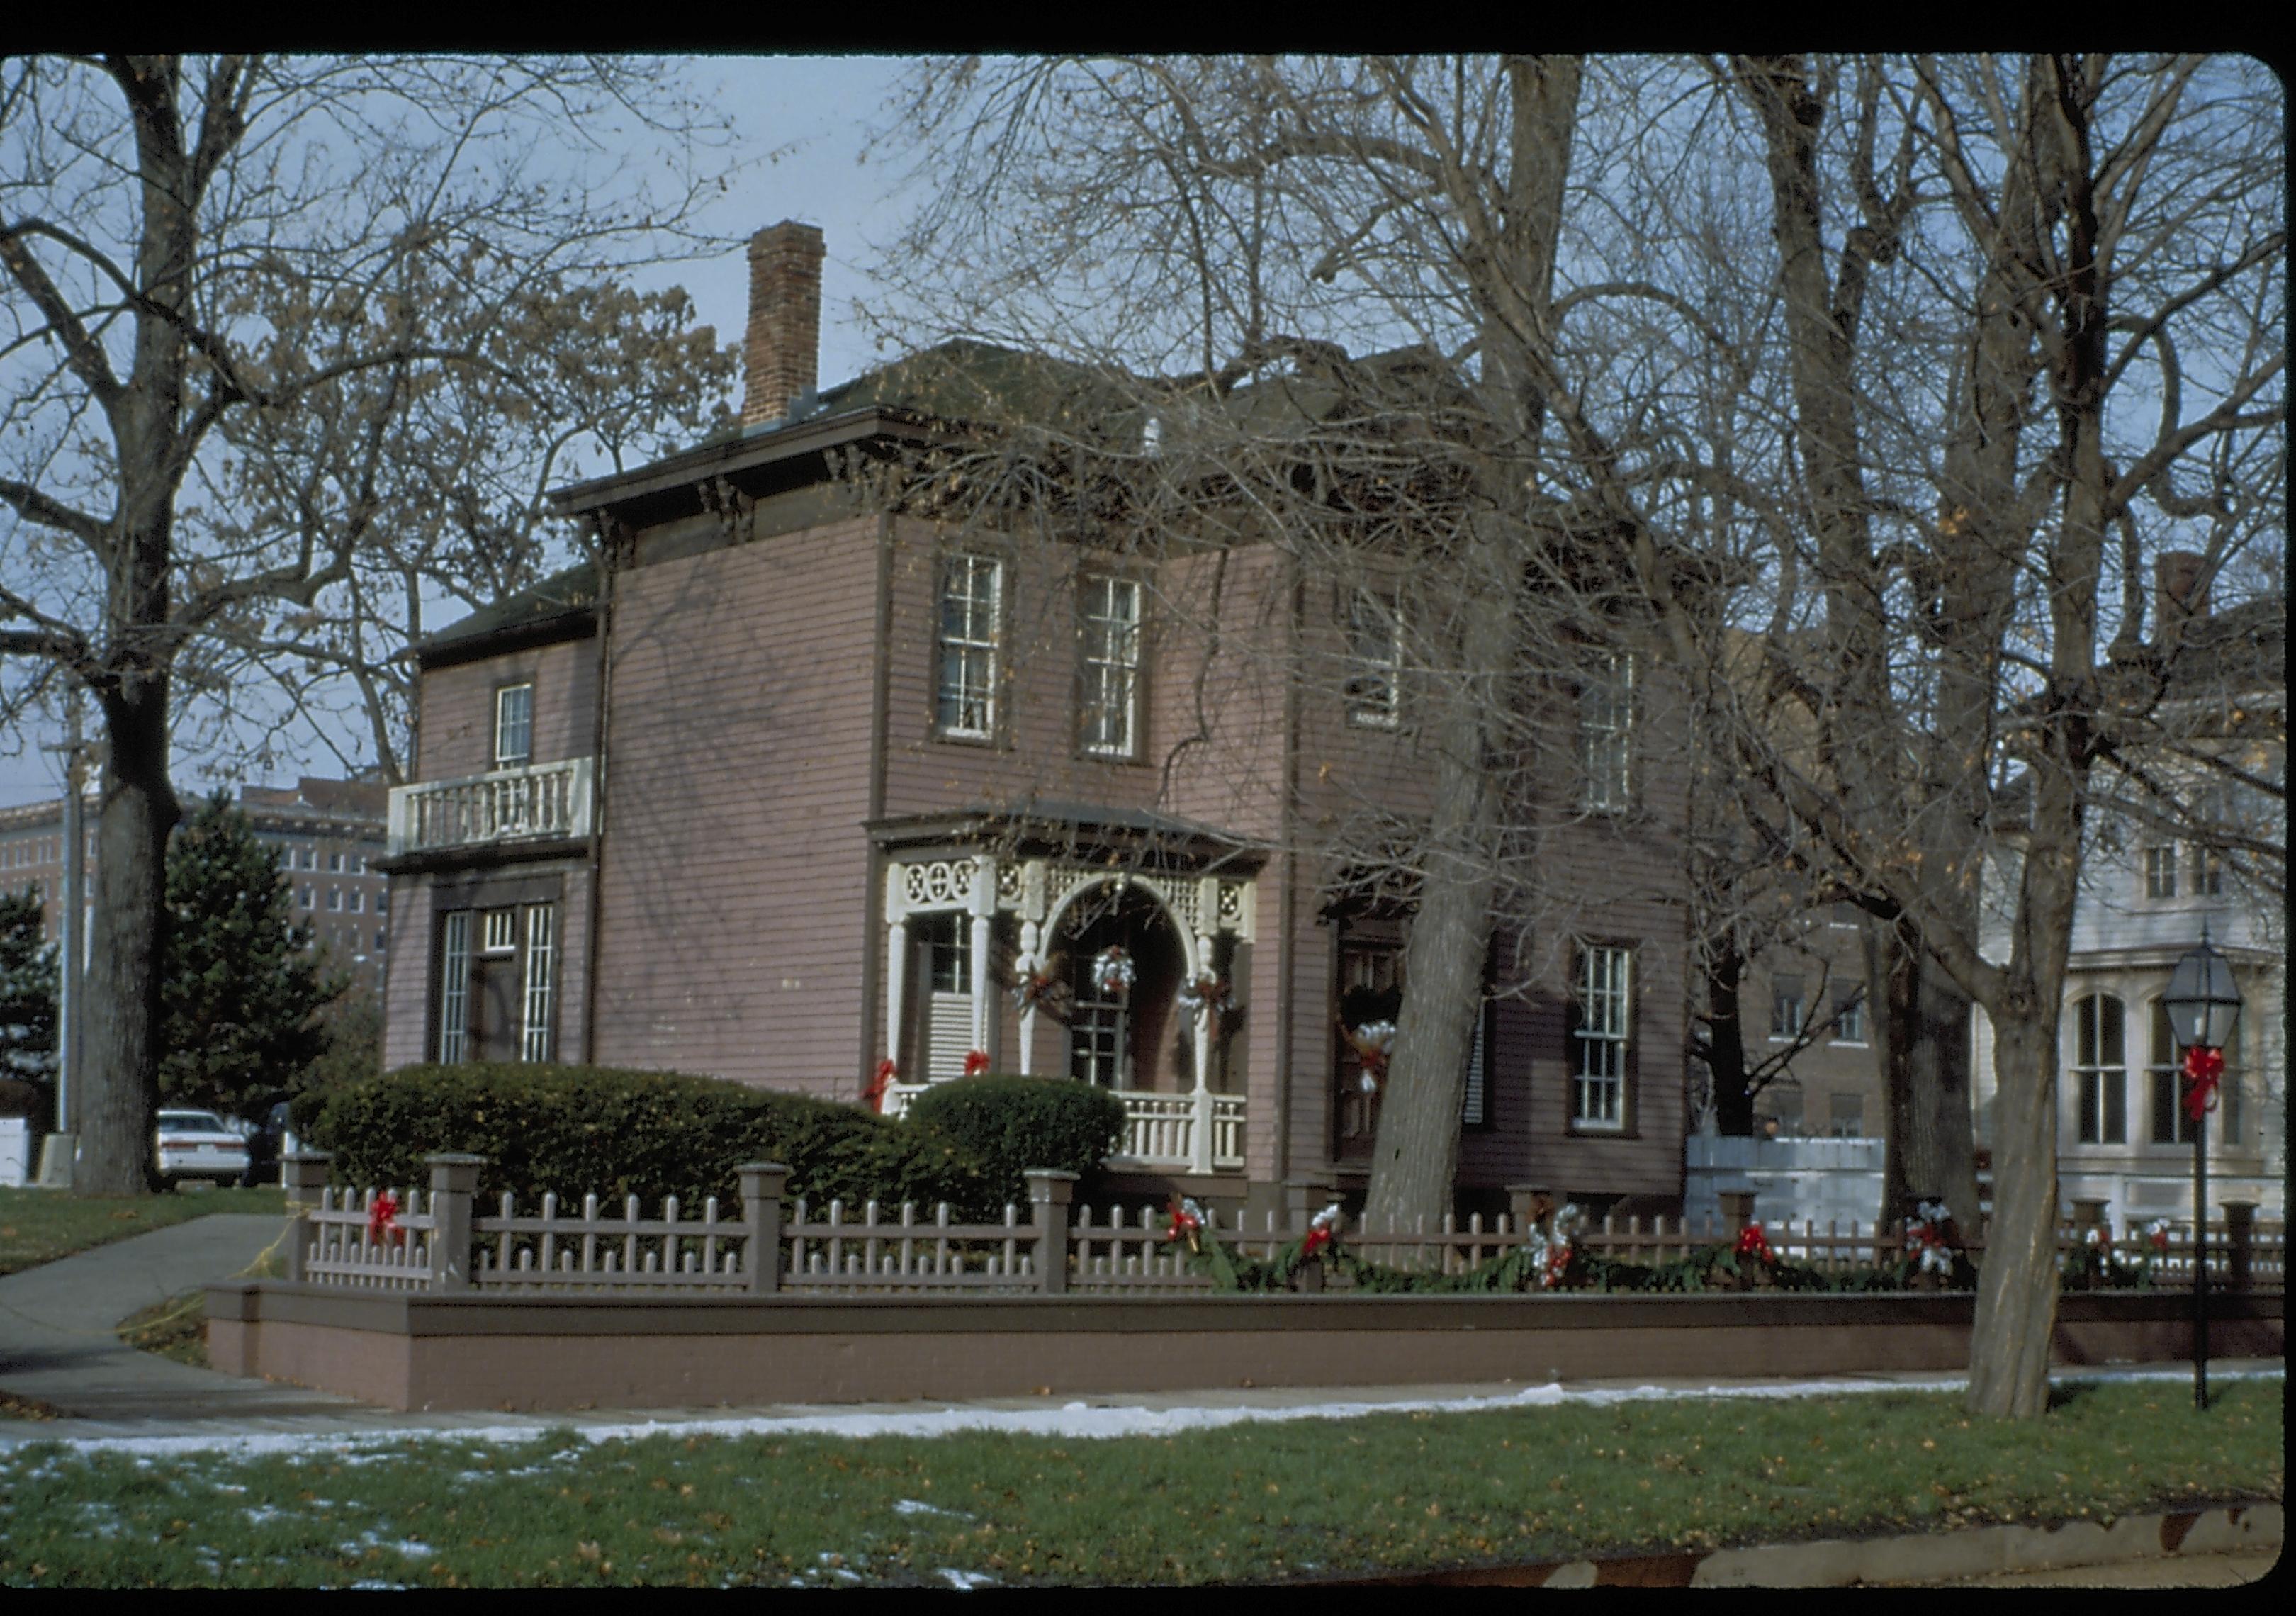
point(762, 1186)
point(1737, 1211)
point(2240, 1242)
point(1532, 1206)
point(1050, 1191)
point(454, 1183)
point(305, 1175)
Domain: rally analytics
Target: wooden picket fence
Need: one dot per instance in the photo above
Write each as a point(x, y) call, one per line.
point(826, 1250)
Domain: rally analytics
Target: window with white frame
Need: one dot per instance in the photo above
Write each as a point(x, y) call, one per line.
point(1849, 1014)
point(2171, 1124)
point(541, 982)
point(334, 864)
point(1606, 716)
point(1109, 629)
point(304, 900)
point(514, 726)
point(455, 986)
point(335, 899)
point(971, 600)
point(382, 900)
point(1786, 1000)
point(1600, 1012)
point(2208, 872)
point(2160, 870)
point(2101, 1069)
point(1374, 673)
point(501, 932)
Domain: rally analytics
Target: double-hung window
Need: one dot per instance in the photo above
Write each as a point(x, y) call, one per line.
point(1108, 630)
point(2171, 1123)
point(1600, 1017)
point(1786, 1000)
point(971, 600)
point(2160, 870)
point(1606, 716)
point(1374, 691)
point(2101, 1069)
point(514, 726)
point(1849, 1014)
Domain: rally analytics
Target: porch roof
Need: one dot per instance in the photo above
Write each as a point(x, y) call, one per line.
point(1041, 827)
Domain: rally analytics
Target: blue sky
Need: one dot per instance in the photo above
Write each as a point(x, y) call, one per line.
point(800, 120)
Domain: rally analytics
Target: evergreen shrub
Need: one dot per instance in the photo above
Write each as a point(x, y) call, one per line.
point(572, 1130)
point(1010, 1124)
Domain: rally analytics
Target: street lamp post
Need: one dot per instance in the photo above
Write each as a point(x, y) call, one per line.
point(2203, 1005)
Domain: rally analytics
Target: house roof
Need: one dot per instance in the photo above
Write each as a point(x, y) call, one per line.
point(563, 606)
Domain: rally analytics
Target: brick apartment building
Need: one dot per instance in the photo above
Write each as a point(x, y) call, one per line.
point(328, 834)
point(794, 784)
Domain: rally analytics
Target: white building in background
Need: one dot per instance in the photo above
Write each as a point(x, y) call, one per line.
point(2123, 1136)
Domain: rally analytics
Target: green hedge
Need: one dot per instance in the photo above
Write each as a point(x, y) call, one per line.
point(573, 1130)
point(1010, 1124)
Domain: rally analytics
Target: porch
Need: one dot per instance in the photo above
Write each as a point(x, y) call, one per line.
point(1048, 963)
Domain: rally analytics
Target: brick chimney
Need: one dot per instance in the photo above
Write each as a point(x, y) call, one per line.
point(2181, 594)
point(782, 354)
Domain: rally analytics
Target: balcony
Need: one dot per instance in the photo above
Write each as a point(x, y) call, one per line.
point(540, 802)
point(1161, 1130)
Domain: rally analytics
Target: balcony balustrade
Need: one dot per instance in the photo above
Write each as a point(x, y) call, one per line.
point(541, 800)
point(1159, 1130)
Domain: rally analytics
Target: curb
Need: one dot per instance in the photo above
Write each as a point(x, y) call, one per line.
point(1924, 1559)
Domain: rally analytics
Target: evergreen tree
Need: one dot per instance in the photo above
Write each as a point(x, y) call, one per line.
point(242, 990)
point(28, 990)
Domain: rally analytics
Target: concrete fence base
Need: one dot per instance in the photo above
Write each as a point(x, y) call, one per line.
point(414, 1350)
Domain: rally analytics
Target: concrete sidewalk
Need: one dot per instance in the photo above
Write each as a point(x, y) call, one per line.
point(57, 1345)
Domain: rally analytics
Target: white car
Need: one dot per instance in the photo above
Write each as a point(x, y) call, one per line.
point(200, 1144)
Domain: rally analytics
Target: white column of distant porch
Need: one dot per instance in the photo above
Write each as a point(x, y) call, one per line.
point(1200, 965)
point(984, 915)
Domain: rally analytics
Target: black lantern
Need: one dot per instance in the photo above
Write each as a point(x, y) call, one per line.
point(2203, 1002)
point(2203, 1007)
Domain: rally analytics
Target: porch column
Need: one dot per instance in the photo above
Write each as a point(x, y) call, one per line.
point(897, 972)
point(984, 910)
point(1031, 934)
point(1200, 1134)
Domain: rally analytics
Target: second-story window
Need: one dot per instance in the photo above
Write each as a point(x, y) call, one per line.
point(1108, 625)
point(1786, 997)
point(514, 726)
point(972, 595)
point(1606, 712)
point(2160, 871)
point(1374, 661)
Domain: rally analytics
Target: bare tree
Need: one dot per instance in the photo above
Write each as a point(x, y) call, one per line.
point(1311, 289)
point(1916, 427)
point(432, 478)
point(183, 242)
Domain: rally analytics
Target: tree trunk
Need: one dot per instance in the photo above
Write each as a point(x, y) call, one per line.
point(1417, 1149)
point(1726, 1041)
point(2017, 1286)
point(1923, 1040)
point(120, 1080)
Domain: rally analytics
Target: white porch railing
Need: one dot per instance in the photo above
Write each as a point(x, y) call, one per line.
point(509, 805)
point(1159, 1130)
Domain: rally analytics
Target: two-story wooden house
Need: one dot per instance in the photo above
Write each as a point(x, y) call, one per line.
point(797, 782)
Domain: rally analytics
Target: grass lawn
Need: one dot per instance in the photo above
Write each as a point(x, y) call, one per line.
point(40, 1226)
point(1250, 1504)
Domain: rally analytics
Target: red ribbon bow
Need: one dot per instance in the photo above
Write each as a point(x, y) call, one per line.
point(875, 1093)
point(382, 1218)
point(975, 1064)
point(2204, 1068)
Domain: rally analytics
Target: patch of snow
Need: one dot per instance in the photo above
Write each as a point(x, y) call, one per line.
point(966, 1581)
point(918, 1506)
point(1083, 1424)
